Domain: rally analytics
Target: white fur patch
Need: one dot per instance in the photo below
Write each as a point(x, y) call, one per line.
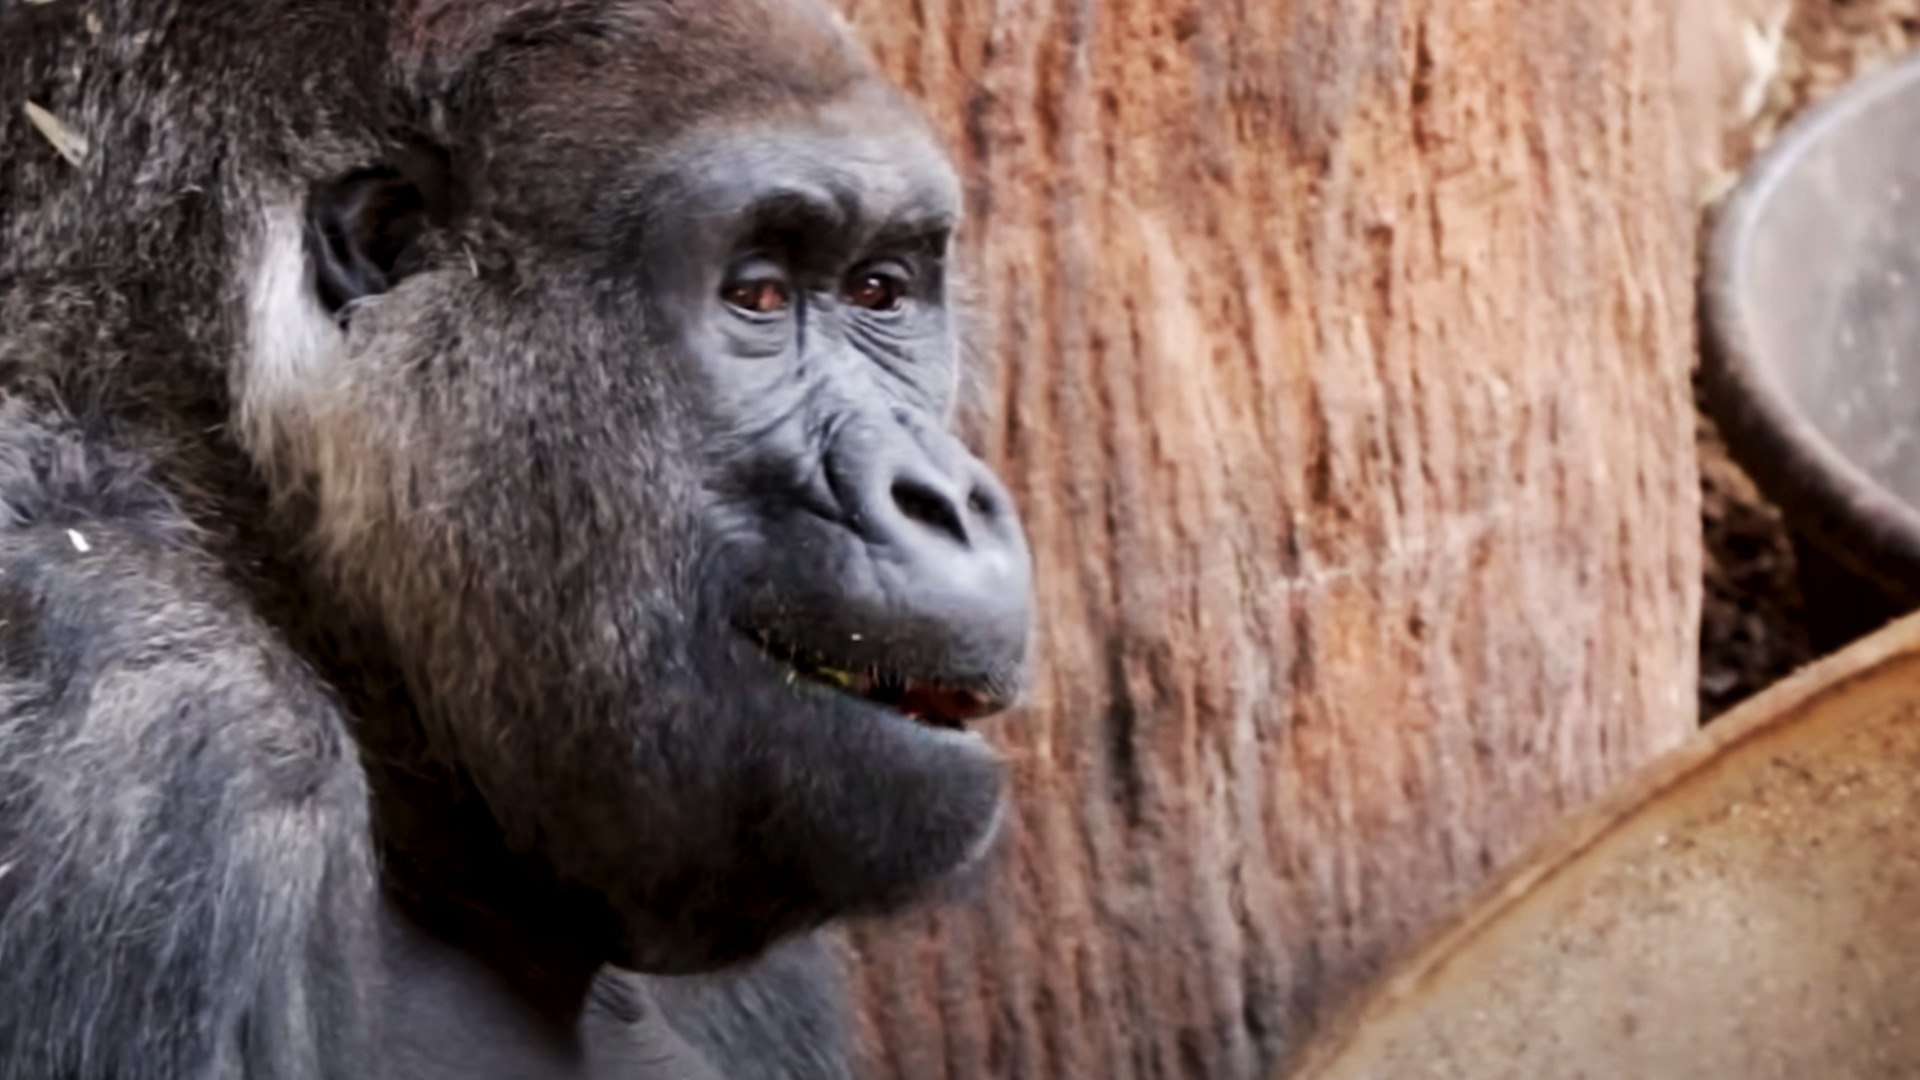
point(291, 343)
point(294, 390)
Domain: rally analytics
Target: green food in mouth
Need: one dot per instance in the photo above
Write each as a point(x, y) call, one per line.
point(842, 679)
point(931, 704)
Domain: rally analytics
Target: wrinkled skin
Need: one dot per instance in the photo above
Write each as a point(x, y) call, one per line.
point(531, 471)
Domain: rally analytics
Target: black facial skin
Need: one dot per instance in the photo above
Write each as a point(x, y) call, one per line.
point(831, 363)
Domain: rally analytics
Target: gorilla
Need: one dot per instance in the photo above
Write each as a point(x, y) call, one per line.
point(486, 571)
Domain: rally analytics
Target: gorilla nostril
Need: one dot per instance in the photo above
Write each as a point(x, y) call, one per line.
point(981, 504)
point(928, 507)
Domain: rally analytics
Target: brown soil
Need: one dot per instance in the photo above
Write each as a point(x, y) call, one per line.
point(1754, 626)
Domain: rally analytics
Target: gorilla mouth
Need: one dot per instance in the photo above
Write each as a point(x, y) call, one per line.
point(934, 704)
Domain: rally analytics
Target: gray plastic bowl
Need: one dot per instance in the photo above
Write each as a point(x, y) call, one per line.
point(1810, 315)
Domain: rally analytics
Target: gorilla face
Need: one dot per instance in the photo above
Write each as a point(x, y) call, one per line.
point(808, 296)
point(635, 448)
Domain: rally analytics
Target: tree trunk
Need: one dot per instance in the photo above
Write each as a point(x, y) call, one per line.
point(1342, 377)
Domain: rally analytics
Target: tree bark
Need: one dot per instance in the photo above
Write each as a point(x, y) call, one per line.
point(1342, 377)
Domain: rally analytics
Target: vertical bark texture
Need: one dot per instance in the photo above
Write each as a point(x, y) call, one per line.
point(1342, 376)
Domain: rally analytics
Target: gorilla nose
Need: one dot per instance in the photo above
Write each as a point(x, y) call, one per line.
point(967, 510)
point(954, 535)
point(913, 588)
point(949, 554)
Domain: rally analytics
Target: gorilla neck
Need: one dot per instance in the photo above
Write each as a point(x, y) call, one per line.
point(447, 870)
point(539, 941)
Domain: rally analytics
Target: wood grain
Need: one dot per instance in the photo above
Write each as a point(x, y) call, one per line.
point(1341, 373)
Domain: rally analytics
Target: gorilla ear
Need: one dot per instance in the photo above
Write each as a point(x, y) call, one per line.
point(364, 229)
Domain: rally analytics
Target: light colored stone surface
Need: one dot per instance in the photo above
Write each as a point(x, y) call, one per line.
point(1745, 910)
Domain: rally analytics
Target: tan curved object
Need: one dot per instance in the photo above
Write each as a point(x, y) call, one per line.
point(1747, 908)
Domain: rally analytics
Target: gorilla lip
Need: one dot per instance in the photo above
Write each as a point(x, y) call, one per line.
point(933, 704)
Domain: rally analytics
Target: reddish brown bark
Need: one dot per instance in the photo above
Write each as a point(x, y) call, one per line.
point(1343, 352)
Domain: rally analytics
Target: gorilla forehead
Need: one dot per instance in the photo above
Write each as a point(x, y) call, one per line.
point(623, 104)
point(613, 72)
point(856, 182)
point(685, 53)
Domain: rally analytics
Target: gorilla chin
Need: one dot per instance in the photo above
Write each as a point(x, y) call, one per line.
point(863, 807)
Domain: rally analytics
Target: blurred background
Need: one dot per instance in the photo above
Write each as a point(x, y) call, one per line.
point(1344, 365)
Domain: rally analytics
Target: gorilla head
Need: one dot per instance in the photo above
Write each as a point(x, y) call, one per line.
point(616, 384)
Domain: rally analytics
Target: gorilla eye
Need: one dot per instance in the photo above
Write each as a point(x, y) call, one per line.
point(762, 297)
point(759, 287)
point(877, 290)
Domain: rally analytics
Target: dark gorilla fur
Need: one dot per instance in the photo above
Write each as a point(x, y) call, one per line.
point(477, 523)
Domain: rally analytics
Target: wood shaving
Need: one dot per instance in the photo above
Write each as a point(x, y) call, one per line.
point(65, 140)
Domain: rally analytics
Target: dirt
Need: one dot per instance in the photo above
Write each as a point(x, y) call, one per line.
point(1754, 625)
point(1751, 619)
